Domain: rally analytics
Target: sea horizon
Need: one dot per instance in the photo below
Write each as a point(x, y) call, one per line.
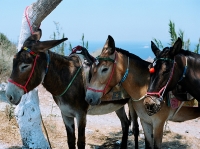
point(141, 49)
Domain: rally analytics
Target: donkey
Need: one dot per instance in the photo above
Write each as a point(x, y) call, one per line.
point(117, 66)
point(172, 66)
point(35, 64)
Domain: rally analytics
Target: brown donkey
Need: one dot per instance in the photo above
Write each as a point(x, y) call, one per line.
point(117, 66)
point(35, 64)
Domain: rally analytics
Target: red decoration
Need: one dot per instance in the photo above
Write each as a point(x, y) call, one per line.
point(152, 70)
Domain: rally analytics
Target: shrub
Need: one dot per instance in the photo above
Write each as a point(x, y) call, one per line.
point(174, 36)
point(7, 50)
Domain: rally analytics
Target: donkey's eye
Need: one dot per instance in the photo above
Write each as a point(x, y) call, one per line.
point(104, 70)
point(24, 67)
point(166, 71)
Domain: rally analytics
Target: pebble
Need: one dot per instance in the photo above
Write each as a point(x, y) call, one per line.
point(118, 142)
point(141, 136)
point(186, 131)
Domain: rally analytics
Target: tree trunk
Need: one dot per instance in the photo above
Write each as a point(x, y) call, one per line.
point(36, 14)
point(28, 117)
point(31, 130)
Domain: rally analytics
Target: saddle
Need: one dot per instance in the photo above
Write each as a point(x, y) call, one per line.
point(178, 95)
point(181, 94)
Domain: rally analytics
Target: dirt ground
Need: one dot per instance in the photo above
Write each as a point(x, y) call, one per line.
point(102, 132)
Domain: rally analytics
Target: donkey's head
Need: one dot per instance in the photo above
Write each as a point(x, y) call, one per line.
point(30, 66)
point(103, 73)
point(164, 76)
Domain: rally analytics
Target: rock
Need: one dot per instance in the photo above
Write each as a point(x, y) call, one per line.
point(118, 142)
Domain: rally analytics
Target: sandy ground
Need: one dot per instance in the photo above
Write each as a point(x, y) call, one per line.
point(102, 132)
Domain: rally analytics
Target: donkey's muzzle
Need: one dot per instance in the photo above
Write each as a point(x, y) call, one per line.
point(152, 105)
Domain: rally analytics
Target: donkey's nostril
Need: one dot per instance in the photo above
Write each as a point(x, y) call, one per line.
point(90, 100)
point(10, 98)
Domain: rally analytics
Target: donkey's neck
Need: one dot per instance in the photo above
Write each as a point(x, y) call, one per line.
point(61, 71)
point(191, 81)
point(136, 83)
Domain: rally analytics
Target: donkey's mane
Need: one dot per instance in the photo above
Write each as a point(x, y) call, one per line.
point(58, 56)
point(189, 53)
point(134, 57)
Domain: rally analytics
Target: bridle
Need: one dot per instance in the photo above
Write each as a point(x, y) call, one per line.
point(163, 89)
point(24, 87)
point(111, 75)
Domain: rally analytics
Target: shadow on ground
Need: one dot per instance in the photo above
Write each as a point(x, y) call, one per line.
point(170, 141)
point(14, 147)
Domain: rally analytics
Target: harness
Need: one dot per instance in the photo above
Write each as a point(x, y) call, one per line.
point(163, 89)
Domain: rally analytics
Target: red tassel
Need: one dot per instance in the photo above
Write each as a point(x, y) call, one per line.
point(152, 70)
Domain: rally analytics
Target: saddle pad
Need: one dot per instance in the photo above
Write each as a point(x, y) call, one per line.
point(117, 93)
point(174, 103)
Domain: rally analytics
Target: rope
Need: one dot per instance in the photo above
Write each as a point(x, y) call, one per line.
point(141, 98)
point(70, 82)
point(178, 108)
point(45, 130)
point(28, 21)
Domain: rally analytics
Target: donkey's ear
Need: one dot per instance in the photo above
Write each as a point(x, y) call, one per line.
point(109, 47)
point(155, 49)
point(35, 36)
point(176, 47)
point(46, 45)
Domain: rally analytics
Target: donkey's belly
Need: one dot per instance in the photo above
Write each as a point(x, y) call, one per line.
point(106, 107)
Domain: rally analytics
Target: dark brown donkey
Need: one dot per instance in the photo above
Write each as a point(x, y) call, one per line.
point(35, 64)
point(172, 66)
point(117, 66)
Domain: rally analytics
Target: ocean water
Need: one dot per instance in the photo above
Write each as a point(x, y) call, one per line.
point(141, 49)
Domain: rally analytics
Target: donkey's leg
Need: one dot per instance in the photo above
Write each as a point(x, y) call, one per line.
point(125, 126)
point(134, 118)
point(81, 124)
point(70, 128)
point(148, 133)
point(158, 133)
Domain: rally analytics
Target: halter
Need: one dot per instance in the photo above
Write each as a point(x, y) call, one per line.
point(184, 71)
point(125, 75)
point(111, 75)
point(24, 87)
point(162, 91)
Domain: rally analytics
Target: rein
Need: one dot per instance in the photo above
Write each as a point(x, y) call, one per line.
point(111, 75)
point(70, 82)
point(24, 87)
point(74, 50)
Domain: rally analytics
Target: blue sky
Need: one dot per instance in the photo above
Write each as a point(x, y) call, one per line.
point(127, 20)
